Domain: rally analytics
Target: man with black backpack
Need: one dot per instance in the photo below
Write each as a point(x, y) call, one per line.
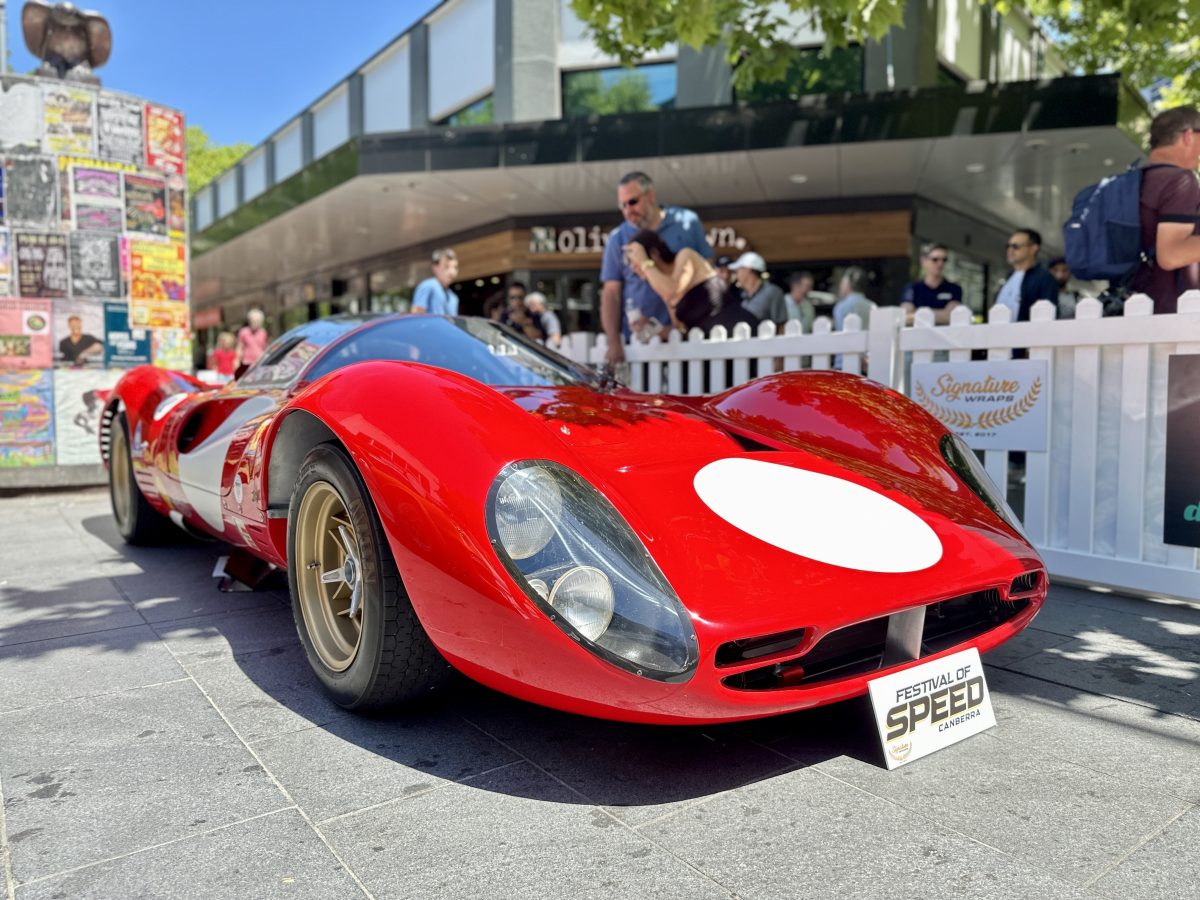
point(1170, 209)
point(1138, 230)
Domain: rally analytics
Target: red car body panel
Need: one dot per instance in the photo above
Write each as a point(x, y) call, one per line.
point(429, 443)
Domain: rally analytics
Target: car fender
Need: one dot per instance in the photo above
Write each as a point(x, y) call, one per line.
point(429, 443)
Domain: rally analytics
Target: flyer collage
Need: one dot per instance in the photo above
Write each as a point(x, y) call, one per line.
point(93, 259)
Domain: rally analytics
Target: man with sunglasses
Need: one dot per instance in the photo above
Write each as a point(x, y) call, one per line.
point(623, 287)
point(1029, 281)
point(932, 290)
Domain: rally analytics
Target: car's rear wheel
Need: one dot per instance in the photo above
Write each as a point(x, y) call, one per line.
point(137, 520)
point(359, 630)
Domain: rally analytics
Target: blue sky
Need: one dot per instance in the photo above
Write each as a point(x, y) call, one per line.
point(237, 69)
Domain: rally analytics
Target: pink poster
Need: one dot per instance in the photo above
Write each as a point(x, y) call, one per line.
point(25, 334)
point(165, 139)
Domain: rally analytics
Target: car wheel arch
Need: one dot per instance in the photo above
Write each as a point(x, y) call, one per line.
point(297, 435)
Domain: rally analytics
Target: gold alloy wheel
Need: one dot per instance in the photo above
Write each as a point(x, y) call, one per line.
point(329, 576)
point(118, 474)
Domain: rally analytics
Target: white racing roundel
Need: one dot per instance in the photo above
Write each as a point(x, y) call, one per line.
point(818, 516)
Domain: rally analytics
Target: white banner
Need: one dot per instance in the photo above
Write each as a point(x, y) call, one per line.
point(993, 404)
point(931, 706)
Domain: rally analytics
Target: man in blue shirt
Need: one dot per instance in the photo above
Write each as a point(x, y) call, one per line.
point(433, 295)
point(933, 290)
point(623, 288)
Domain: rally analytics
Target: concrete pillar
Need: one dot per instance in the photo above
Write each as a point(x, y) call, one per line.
point(418, 76)
point(269, 163)
point(907, 56)
point(703, 77)
point(355, 96)
point(527, 82)
point(306, 138)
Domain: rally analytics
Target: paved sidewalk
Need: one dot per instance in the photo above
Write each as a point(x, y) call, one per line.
point(161, 739)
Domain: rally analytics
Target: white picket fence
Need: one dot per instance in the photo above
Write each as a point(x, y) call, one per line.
point(1093, 501)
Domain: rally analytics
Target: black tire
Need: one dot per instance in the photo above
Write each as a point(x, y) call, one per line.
point(391, 662)
point(137, 521)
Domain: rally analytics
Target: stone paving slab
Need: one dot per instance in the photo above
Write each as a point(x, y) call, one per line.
point(1166, 865)
point(515, 832)
point(810, 834)
point(95, 778)
point(276, 855)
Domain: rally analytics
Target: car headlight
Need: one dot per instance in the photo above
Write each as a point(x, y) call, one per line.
point(575, 557)
point(966, 465)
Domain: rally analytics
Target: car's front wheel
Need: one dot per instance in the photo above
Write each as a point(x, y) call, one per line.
point(359, 630)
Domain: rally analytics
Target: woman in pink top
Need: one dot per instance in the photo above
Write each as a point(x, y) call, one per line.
point(251, 340)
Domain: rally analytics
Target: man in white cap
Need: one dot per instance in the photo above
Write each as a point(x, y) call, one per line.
point(763, 299)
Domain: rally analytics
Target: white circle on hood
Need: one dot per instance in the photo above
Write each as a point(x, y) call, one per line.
point(819, 516)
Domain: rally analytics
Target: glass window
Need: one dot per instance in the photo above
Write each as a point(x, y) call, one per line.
point(227, 192)
point(289, 154)
point(288, 355)
point(385, 92)
point(481, 112)
point(478, 349)
point(331, 123)
point(204, 214)
point(254, 174)
point(813, 70)
point(602, 92)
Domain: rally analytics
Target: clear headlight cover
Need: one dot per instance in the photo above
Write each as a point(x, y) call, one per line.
point(576, 558)
point(966, 465)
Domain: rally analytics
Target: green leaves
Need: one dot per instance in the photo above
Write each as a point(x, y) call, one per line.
point(204, 161)
point(1151, 42)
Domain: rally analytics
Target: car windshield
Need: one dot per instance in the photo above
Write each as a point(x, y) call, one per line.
point(288, 354)
point(478, 348)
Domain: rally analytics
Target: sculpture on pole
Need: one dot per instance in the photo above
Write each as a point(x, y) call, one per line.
point(70, 42)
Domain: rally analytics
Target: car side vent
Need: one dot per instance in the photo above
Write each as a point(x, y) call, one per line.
point(1023, 584)
point(750, 445)
point(746, 649)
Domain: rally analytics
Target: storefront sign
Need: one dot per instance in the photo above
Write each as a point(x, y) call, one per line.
point(1181, 503)
point(584, 239)
point(931, 706)
point(993, 404)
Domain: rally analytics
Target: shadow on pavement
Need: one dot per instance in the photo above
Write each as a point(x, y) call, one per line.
point(242, 650)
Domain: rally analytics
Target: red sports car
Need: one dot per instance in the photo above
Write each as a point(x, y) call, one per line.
point(447, 495)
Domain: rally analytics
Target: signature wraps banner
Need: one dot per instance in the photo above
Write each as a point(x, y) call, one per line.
point(992, 405)
point(1181, 503)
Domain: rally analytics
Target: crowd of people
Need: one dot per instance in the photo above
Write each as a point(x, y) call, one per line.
point(659, 273)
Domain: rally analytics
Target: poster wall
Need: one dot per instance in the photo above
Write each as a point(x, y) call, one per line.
point(93, 258)
point(26, 418)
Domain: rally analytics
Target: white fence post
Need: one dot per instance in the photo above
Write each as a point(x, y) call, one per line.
point(883, 352)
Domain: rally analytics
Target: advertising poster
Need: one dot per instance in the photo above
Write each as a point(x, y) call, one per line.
point(992, 405)
point(176, 206)
point(77, 409)
point(146, 204)
point(78, 334)
point(66, 163)
point(172, 348)
point(6, 270)
point(1181, 502)
point(96, 198)
point(25, 336)
point(157, 270)
point(165, 139)
point(41, 263)
point(125, 347)
point(119, 130)
point(95, 265)
point(26, 418)
point(20, 116)
point(30, 191)
point(69, 114)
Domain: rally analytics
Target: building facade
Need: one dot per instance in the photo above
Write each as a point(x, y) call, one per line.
point(496, 127)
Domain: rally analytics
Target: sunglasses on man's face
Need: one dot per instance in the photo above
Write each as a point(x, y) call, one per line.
point(628, 204)
point(936, 259)
point(1013, 245)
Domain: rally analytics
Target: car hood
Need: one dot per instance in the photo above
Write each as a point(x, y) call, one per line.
point(767, 532)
